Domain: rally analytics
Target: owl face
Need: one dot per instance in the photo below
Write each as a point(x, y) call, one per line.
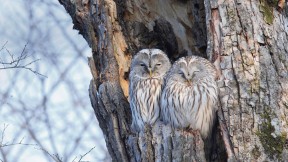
point(189, 71)
point(150, 63)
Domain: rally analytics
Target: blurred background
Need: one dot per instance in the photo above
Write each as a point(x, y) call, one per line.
point(45, 111)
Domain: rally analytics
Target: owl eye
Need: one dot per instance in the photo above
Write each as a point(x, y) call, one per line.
point(181, 73)
point(197, 71)
point(142, 64)
point(159, 64)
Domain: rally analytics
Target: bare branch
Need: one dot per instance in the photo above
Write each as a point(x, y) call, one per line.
point(18, 63)
point(34, 110)
point(3, 46)
point(55, 157)
point(5, 126)
point(82, 156)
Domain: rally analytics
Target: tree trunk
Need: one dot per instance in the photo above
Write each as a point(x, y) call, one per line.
point(247, 42)
point(250, 39)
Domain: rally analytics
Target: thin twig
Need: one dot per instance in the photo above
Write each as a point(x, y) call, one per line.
point(4, 46)
point(82, 156)
point(11, 144)
point(3, 134)
point(54, 157)
point(16, 63)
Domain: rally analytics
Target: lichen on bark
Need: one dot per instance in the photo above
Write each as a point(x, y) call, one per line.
point(267, 8)
point(273, 143)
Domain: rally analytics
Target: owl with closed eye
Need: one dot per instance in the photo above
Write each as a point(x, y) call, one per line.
point(147, 71)
point(190, 95)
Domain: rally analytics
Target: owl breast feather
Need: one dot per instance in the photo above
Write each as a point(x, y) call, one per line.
point(146, 96)
point(189, 106)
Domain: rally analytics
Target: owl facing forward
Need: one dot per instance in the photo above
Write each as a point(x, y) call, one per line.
point(148, 68)
point(190, 95)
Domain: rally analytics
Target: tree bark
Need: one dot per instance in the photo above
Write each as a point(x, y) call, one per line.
point(246, 41)
point(250, 39)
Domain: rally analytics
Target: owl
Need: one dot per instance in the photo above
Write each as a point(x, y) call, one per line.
point(190, 95)
point(147, 71)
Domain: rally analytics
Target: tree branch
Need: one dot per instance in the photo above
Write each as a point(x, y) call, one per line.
point(18, 62)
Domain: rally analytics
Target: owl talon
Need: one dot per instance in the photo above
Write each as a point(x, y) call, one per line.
point(190, 131)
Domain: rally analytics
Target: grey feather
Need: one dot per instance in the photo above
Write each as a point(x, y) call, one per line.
point(190, 95)
point(144, 89)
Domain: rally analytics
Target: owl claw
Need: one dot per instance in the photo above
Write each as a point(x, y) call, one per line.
point(189, 130)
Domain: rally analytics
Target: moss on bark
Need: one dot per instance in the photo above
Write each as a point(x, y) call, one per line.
point(273, 144)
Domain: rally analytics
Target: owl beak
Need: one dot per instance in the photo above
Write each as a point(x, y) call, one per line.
point(189, 78)
point(189, 82)
point(150, 73)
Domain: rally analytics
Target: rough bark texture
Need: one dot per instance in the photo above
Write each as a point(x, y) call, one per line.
point(247, 42)
point(250, 40)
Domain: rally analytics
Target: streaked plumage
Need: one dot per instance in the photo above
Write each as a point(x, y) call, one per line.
point(148, 68)
point(190, 94)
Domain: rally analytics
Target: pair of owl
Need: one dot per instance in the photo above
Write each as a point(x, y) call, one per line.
point(184, 95)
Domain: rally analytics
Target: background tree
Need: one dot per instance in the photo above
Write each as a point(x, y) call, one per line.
point(247, 42)
point(45, 118)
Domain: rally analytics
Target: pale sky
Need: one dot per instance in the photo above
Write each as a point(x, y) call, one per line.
point(18, 27)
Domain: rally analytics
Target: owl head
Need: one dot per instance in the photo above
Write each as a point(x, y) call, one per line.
point(150, 63)
point(191, 70)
